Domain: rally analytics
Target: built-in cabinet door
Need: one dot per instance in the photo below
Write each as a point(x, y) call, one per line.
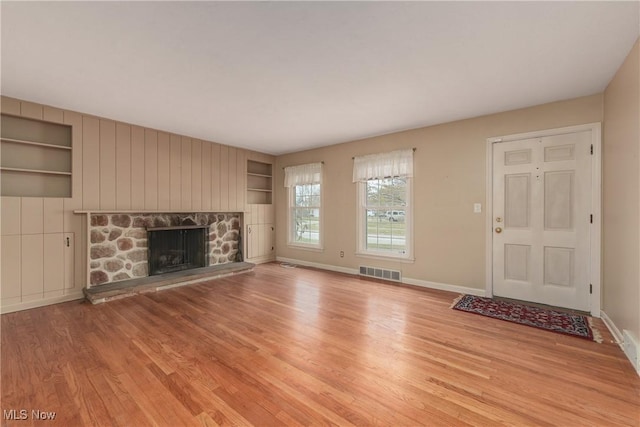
point(32, 266)
point(260, 241)
point(36, 266)
point(58, 262)
point(267, 243)
point(11, 270)
point(253, 241)
point(69, 260)
point(53, 267)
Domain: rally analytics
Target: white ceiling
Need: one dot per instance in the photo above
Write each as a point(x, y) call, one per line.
point(279, 77)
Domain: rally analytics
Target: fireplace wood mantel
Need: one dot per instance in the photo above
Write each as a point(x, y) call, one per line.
point(142, 211)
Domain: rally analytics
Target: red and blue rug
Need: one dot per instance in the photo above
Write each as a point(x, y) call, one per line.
point(575, 325)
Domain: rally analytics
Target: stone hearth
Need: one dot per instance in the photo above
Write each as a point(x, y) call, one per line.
point(128, 288)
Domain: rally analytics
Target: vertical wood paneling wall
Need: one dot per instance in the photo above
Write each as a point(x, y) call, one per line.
point(117, 167)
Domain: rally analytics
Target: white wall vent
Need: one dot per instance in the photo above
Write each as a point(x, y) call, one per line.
point(631, 347)
point(381, 273)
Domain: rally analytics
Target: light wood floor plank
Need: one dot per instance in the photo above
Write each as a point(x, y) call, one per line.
point(294, 346)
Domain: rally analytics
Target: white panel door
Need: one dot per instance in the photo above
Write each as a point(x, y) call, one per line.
point(541, 219)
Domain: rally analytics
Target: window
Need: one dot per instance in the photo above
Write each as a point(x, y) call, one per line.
point(305, 205)
point(384, 204)
point(305, 214)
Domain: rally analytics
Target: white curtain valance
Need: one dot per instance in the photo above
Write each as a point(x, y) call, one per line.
point(383, 165)
point(310, 173)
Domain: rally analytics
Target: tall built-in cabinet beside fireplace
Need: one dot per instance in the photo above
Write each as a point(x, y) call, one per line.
point(260, 217)
point(39, 242)
point(110, 166)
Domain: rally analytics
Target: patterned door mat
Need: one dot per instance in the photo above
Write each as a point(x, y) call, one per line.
point(576, 325)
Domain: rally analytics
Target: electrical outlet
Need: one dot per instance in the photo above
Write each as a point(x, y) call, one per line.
point(341, 254)
point(477, 207)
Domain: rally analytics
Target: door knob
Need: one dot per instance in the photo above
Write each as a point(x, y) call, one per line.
point(498, 230)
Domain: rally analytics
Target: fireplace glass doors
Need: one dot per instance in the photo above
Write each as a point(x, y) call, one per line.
point(177, 248)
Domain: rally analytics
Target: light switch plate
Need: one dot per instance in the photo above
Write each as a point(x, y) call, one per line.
point(477, 207)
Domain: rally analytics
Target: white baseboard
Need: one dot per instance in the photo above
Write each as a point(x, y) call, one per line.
point(631, 348)
point(617, 335)
point(261, 260)
point(620, 340)
point(405, 280)
point(337, 269)
point(41, 303)
point(444, 287)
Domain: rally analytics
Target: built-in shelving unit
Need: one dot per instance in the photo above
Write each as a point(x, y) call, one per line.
point(35, 158)
point(259, 183)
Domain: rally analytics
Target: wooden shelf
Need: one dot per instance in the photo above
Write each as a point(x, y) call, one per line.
point(38, 144)
point(37, 171)
point(259, 168)
point(259, 183)
point(35, 158)
point(259, 197)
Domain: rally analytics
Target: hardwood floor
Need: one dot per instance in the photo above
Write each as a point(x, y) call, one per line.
point(303, 347)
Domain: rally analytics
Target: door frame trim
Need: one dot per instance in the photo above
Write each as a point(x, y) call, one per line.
point(596, 205)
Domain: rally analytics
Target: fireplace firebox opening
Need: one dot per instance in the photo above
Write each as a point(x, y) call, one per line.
point(177, 248)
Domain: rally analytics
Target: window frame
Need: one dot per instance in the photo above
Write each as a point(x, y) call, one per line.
point(291, 230)
point(361, 225)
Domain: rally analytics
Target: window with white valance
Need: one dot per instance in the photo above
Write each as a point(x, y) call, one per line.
point(305, 205)
point(310, 173)
point(383, 165)
point(384, 204)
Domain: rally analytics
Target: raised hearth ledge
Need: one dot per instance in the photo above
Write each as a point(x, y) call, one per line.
point(128, 288)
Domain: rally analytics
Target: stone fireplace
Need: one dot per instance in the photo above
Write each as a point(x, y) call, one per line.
point(119, 243)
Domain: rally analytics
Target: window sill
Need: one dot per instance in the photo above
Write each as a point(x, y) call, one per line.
point(306, 247)
point(405, 260)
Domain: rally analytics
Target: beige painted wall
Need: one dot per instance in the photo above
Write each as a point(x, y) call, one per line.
point(116, 167)
point(621, 195)
point(449, 179)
